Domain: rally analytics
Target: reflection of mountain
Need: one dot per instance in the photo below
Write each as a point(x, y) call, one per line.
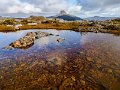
point(98, 18)
point(63, 15)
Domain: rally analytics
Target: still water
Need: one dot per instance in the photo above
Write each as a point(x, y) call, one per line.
point(81, 61)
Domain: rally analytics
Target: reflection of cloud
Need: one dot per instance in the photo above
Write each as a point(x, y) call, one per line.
point(107, 41)
point(46, 41)
point(42, 41)
point(55, 32)
point(7, 38)
point(84, 38)
point(15, 35)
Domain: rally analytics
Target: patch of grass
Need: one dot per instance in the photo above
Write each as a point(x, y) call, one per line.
point(4, 28)
point(111, 27)
point(59, 26)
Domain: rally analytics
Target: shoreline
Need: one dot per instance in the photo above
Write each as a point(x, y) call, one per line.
point(84, 65)
point(115, 32)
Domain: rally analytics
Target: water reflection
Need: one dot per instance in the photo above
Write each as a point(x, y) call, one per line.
point(88, 61)
point(71, 39)
point(7, 38)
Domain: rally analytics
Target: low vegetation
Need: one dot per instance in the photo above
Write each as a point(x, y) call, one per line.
point(4, 28)
point(39, 22)
point(59, 26)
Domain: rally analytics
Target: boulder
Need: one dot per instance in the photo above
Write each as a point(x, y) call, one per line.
point(60, 39)
point(27, 40)
point(40, 34)
point(8, 48)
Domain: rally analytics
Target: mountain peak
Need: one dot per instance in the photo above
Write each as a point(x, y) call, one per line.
point(63, 15)
point(97, 16)
point(63, 12)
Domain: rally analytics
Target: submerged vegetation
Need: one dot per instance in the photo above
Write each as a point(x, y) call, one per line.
point(80, 62)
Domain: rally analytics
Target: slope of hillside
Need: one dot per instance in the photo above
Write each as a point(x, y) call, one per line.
point(63, 15)
point(98, 18)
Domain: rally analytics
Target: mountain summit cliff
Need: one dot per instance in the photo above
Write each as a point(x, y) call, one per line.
point(65, 16)
point(63, 12)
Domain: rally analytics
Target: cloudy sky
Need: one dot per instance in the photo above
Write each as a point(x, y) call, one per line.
point(82, 8)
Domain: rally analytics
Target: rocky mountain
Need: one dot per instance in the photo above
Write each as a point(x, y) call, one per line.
point(63, 15)
point(98, 18)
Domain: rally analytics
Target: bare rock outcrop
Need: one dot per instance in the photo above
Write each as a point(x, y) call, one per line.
point(27, 40)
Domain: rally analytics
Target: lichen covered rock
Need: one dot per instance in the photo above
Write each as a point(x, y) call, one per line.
point(28, 40)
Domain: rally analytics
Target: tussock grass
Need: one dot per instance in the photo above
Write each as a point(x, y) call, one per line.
point(4, 28)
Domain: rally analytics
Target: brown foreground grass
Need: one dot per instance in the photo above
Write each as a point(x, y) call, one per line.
point(4, 28)
point(59, 26)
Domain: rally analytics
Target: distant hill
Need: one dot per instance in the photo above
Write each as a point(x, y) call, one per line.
point(63, 15)
point(0, 16)
point(117, 19)
point(98, 18)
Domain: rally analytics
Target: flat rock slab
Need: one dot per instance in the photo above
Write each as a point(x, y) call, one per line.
point(60, 40)
point(27, 40)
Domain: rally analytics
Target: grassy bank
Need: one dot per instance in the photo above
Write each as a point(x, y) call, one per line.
point(4, 28)
point(75, 26)
point(59, 26)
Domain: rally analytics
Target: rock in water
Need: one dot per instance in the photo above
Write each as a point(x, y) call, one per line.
point(24, 42)
point(8, 48)
point(60, 39)
point(28, 40)
point(41, 34)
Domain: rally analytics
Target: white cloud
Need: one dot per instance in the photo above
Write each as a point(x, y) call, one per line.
point(82, 7)
point(23, 8)
point(37, 6)
point(100, 8)
point(15, 6)
point(75, 8)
